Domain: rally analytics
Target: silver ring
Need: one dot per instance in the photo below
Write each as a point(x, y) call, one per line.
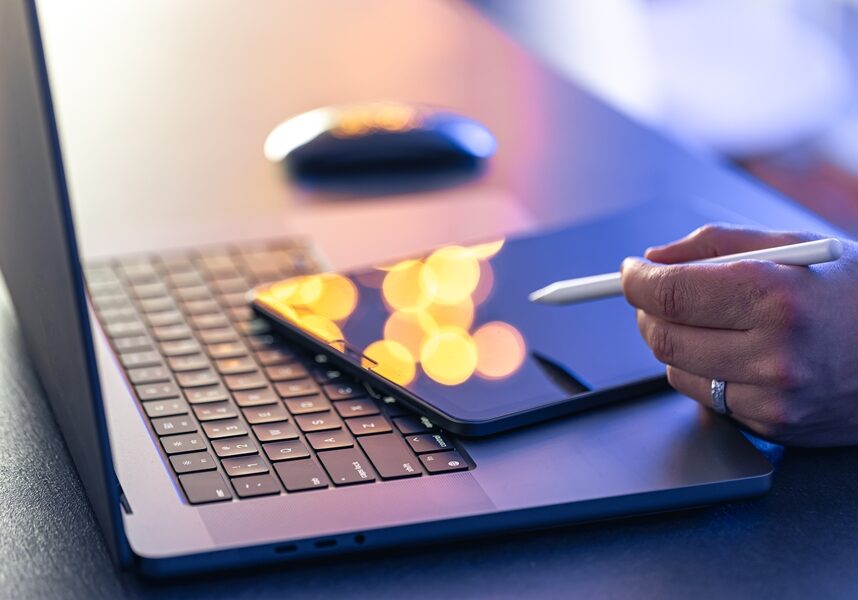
point(719, 397)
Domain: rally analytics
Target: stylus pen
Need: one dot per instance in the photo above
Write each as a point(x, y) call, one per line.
point(594, 287)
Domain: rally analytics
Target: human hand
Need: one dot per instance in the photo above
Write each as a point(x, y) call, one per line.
point(783, 337)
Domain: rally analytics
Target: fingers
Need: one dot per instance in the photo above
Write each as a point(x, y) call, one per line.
point(754, 406)
point(718, 240)
point(729, 296)
point(719, 353)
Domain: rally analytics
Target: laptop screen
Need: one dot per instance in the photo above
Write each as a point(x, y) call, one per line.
point(40, 263)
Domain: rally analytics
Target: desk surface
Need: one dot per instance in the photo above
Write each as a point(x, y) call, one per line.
point(798, 541)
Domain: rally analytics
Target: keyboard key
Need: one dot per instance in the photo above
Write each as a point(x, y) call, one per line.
point(250, 381)
point(185, 279)
point(244, 465)
point(288, 372)
point(157, 391)
point(300, 475)
point(233, 299)
point(255, 485)
point(234, 447)
point(343, 391)
point(139, 273)
point(177, 444)
point(190, 463)
point(214, 411)
point(296, 389)
point(154, 305)
point(258, 397)
point(409, 425)
point(443, 462)
point(148, 375)
point(428, 442)
point(189, 362)
point(240, 313)
point(119, 315)
point(347, 466)
point(224, 428)
point(360, 407)
point(218, 336)
point(180, 347)
point(219, 266)
point(165, 408)
point(210, 321)
point(196, 292)
point(199, 307)
point(166, 333)
point(215, 393)
point(191, 379)
point(274, 356)
point(236, 366)
point(323, 375)
point(287, 450)
point(275, 432)
point(135, 343)
point(230, 285)
point(131, 360)
point(390, 456)
point(171, 425)
point(307, 405)
point(330, 440)
point(145, 291)
point(124, 329)
point(162, 319)
point(226, 350)
point(265, 414)
point(369, 425)
point(318, 422)
point(208, 486)
point(111, 302)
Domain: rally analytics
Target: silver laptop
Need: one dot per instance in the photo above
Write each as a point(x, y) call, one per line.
point(169, 392)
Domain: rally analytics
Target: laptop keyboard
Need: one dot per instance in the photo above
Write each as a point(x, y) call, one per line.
point(237, 411)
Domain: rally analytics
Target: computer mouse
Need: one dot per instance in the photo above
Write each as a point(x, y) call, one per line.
point(377, 140)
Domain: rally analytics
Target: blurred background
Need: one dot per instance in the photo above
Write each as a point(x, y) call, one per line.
point(769, 85)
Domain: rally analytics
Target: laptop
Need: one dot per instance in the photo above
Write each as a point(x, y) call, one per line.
point(201, 438)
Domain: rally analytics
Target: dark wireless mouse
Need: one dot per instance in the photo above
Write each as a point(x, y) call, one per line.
point(378, 140)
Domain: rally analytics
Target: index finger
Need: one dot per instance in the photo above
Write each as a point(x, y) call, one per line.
point(725, 296)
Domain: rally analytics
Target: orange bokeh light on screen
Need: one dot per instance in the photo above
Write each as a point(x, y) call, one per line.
point(449, 356)
point(402, 287)
point(501, 350)
point(391, 360)
point(450, 274)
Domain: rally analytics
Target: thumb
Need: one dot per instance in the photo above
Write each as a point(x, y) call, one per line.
point(718, 240)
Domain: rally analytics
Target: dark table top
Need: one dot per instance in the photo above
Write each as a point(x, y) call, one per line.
point(799, 540)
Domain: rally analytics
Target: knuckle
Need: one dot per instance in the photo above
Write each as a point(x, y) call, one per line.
point(785, 371)
point(787, 309)
point(671, 295)
point(662, 342)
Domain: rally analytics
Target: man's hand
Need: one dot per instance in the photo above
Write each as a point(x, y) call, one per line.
point(784, 338)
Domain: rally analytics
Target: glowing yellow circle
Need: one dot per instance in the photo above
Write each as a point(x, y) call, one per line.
point(391, 360)
point(487, 250)
point(335, 298)
point(409, 329)
point(459, 315)
point(402, 287)
point(501, 349)
point(449, 356)
point(450, 274)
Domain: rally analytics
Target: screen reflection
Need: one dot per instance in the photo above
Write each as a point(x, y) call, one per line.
point(429, 326)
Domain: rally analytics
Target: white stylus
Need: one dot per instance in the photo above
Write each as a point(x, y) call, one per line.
point(594, 287)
